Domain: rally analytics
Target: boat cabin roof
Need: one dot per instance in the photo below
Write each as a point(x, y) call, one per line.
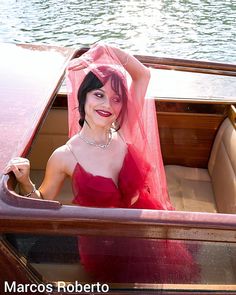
point(172, 85)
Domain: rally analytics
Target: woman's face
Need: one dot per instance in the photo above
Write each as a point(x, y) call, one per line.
point(102, 106)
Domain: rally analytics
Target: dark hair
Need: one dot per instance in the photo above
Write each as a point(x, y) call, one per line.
point(91, 82)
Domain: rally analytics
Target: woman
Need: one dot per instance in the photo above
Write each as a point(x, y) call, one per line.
point(113, 158)
point(104, 112)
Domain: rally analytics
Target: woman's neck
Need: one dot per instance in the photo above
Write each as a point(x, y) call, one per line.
point(97, 135)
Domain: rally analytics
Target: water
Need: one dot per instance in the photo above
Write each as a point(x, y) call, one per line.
point(193, 29)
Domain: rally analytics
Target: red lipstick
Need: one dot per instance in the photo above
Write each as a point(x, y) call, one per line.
point(103, 113)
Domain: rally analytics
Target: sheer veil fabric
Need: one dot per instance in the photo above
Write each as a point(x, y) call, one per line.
point(119, 259)
point(139, 127)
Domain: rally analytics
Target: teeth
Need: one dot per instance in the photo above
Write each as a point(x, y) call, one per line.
point(104, 112)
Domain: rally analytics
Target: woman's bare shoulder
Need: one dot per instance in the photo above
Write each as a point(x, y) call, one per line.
point(61, 151)
point(68, 154)
point(73, 141)
point(60, 157)
point(64, 151)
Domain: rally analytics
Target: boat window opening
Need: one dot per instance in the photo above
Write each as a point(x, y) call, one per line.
point(127, 261)
point(187, 133)
point(188, 86)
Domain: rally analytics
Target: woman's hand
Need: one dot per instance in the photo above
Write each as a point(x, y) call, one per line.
point(21, 168)
point(77, 64)
point(91, 56)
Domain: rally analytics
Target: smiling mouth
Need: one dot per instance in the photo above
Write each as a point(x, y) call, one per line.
point(103, 113)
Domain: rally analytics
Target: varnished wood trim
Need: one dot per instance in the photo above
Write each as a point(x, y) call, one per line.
point(13, 267)
point(192, 107)
point(173, 287)
point(188, 65)
point(232, 115)
point(118, 222)
point(199, 66)
point(184, 63)
point(117, 229)
point(187, 138)
point(11, 198)
point(151, 289)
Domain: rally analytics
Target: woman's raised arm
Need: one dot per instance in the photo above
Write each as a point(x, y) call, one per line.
point(139, 73)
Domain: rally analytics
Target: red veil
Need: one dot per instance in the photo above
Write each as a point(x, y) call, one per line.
point(139, 126)
point(113, 259)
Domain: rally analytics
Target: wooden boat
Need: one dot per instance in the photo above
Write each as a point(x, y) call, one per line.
point(38, 237)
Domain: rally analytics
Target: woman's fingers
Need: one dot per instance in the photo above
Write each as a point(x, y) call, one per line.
point(17, 170)
point(80, 63)
point(18, 160)
point(19, 166)
point(77, 67)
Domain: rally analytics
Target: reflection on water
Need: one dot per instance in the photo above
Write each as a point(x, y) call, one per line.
point(200, 29)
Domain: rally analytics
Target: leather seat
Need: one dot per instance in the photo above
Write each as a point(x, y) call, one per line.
point(190, 189)
point(212, 189)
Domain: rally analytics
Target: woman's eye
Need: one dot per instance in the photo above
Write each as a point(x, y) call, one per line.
point(116, 99)
point(99, 94)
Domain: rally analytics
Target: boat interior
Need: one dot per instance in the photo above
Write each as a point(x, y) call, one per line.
point(198, 152)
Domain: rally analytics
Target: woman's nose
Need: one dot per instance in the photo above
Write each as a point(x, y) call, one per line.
point(107, 102)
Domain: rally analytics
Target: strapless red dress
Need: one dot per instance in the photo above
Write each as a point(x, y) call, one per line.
point(124, 260)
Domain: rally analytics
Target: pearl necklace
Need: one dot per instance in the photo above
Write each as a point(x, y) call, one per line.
point(102, 146)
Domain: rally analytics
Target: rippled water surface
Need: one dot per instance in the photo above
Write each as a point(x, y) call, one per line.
point(199, 29)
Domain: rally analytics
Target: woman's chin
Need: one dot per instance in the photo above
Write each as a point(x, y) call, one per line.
point(102, 124)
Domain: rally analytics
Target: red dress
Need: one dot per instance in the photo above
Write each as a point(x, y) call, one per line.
point(115, 259)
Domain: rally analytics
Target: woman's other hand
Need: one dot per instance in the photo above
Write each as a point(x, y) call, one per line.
point(21, 168)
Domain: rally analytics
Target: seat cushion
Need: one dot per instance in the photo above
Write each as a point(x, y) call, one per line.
point(190, 189)
point(222, 168)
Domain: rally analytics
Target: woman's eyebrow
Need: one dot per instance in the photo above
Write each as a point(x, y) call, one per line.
point(99, 89)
